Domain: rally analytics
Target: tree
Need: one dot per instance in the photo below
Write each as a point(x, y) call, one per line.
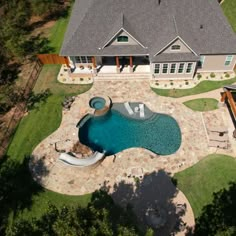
point(219, 217)
point(101, 217)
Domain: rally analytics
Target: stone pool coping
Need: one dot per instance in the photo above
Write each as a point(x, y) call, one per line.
point(57, 177)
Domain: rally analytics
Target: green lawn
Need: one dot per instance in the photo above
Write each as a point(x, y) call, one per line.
point(202, 104)
point(202, 87)
point(229, 8)
point(210, 175)
point(56, 34)
point(36, 126)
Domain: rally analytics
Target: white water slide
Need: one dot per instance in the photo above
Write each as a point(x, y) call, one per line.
point(74, 161)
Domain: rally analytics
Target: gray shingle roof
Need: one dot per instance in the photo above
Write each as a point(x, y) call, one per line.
point(94, 22)
point(168, 57)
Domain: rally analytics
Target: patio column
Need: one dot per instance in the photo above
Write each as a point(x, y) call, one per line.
point(117, 64)
point(131, 64)
point(94, 65)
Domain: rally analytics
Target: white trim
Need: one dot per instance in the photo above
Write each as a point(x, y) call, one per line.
point(190, 68)
point(174, 63)
point(167, 72)
point(154, 67)
point(117, 35)
point(232, 57)
point(178, 37)
point(208, 71)
point(183, 68)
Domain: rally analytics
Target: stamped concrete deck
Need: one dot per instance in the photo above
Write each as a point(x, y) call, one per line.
point(130, 163)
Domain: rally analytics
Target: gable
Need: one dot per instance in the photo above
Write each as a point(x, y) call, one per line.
point(131, 40)
point(177, 42)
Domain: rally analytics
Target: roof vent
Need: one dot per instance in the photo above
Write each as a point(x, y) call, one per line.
point(201, 26)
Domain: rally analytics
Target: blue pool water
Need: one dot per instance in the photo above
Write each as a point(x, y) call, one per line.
point(114, 132)
point(97, 103)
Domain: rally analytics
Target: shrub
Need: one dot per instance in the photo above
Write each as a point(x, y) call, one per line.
point(81, 79)
point(171, 83)
point(227, 75)
point(199, 76)
point(186, 82)
point(212, 75)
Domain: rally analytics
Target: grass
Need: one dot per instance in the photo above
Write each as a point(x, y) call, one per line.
point(202, 87)
point(229, 8)
point(47, 79)
point(200, 181)
point(56, 34)
point(36, 126)
point(202, 104)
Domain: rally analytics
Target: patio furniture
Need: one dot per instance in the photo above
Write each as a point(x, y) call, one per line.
point(141, 110)
point(128, 108)
point(218, 129)
point(181, 209)
point(217, 137)
point(217, 144)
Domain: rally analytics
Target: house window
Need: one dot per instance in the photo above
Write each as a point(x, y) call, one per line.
point(83, 59)
point(157, 69)
point(165, 68)
point(175, 47)
point(89, 59)
point(123, 39)
point(181, 68)
point(189, 68)
point(172, 68)
point(228, 60)
point(201, 62)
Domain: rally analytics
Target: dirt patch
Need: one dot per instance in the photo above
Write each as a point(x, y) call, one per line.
point(44, 28)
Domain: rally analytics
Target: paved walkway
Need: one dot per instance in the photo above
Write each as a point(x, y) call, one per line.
point(129, 164)
point(211, 94)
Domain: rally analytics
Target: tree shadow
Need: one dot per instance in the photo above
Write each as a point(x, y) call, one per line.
point(17, 189)
point(219, 217)
point(35, 99)
point(151, 199)
point(9, 73)
point(61, 12)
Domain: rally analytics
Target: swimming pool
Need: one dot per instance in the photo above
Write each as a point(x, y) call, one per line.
point(114, 132)
point(97, 103)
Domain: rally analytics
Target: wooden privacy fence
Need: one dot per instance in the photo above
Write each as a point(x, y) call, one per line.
point(53, 59)
point(7, 130)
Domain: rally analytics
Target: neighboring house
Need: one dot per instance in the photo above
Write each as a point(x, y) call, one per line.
point(172, 38)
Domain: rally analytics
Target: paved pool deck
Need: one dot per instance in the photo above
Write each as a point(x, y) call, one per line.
point(131, 163)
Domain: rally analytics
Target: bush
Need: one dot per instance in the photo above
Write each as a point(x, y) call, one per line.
point(212, 75)
point(186, 82)
point(227, 75)
point(171, 83)
point(199, 76)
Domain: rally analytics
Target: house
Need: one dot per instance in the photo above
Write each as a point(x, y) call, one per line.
point(170, 39)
